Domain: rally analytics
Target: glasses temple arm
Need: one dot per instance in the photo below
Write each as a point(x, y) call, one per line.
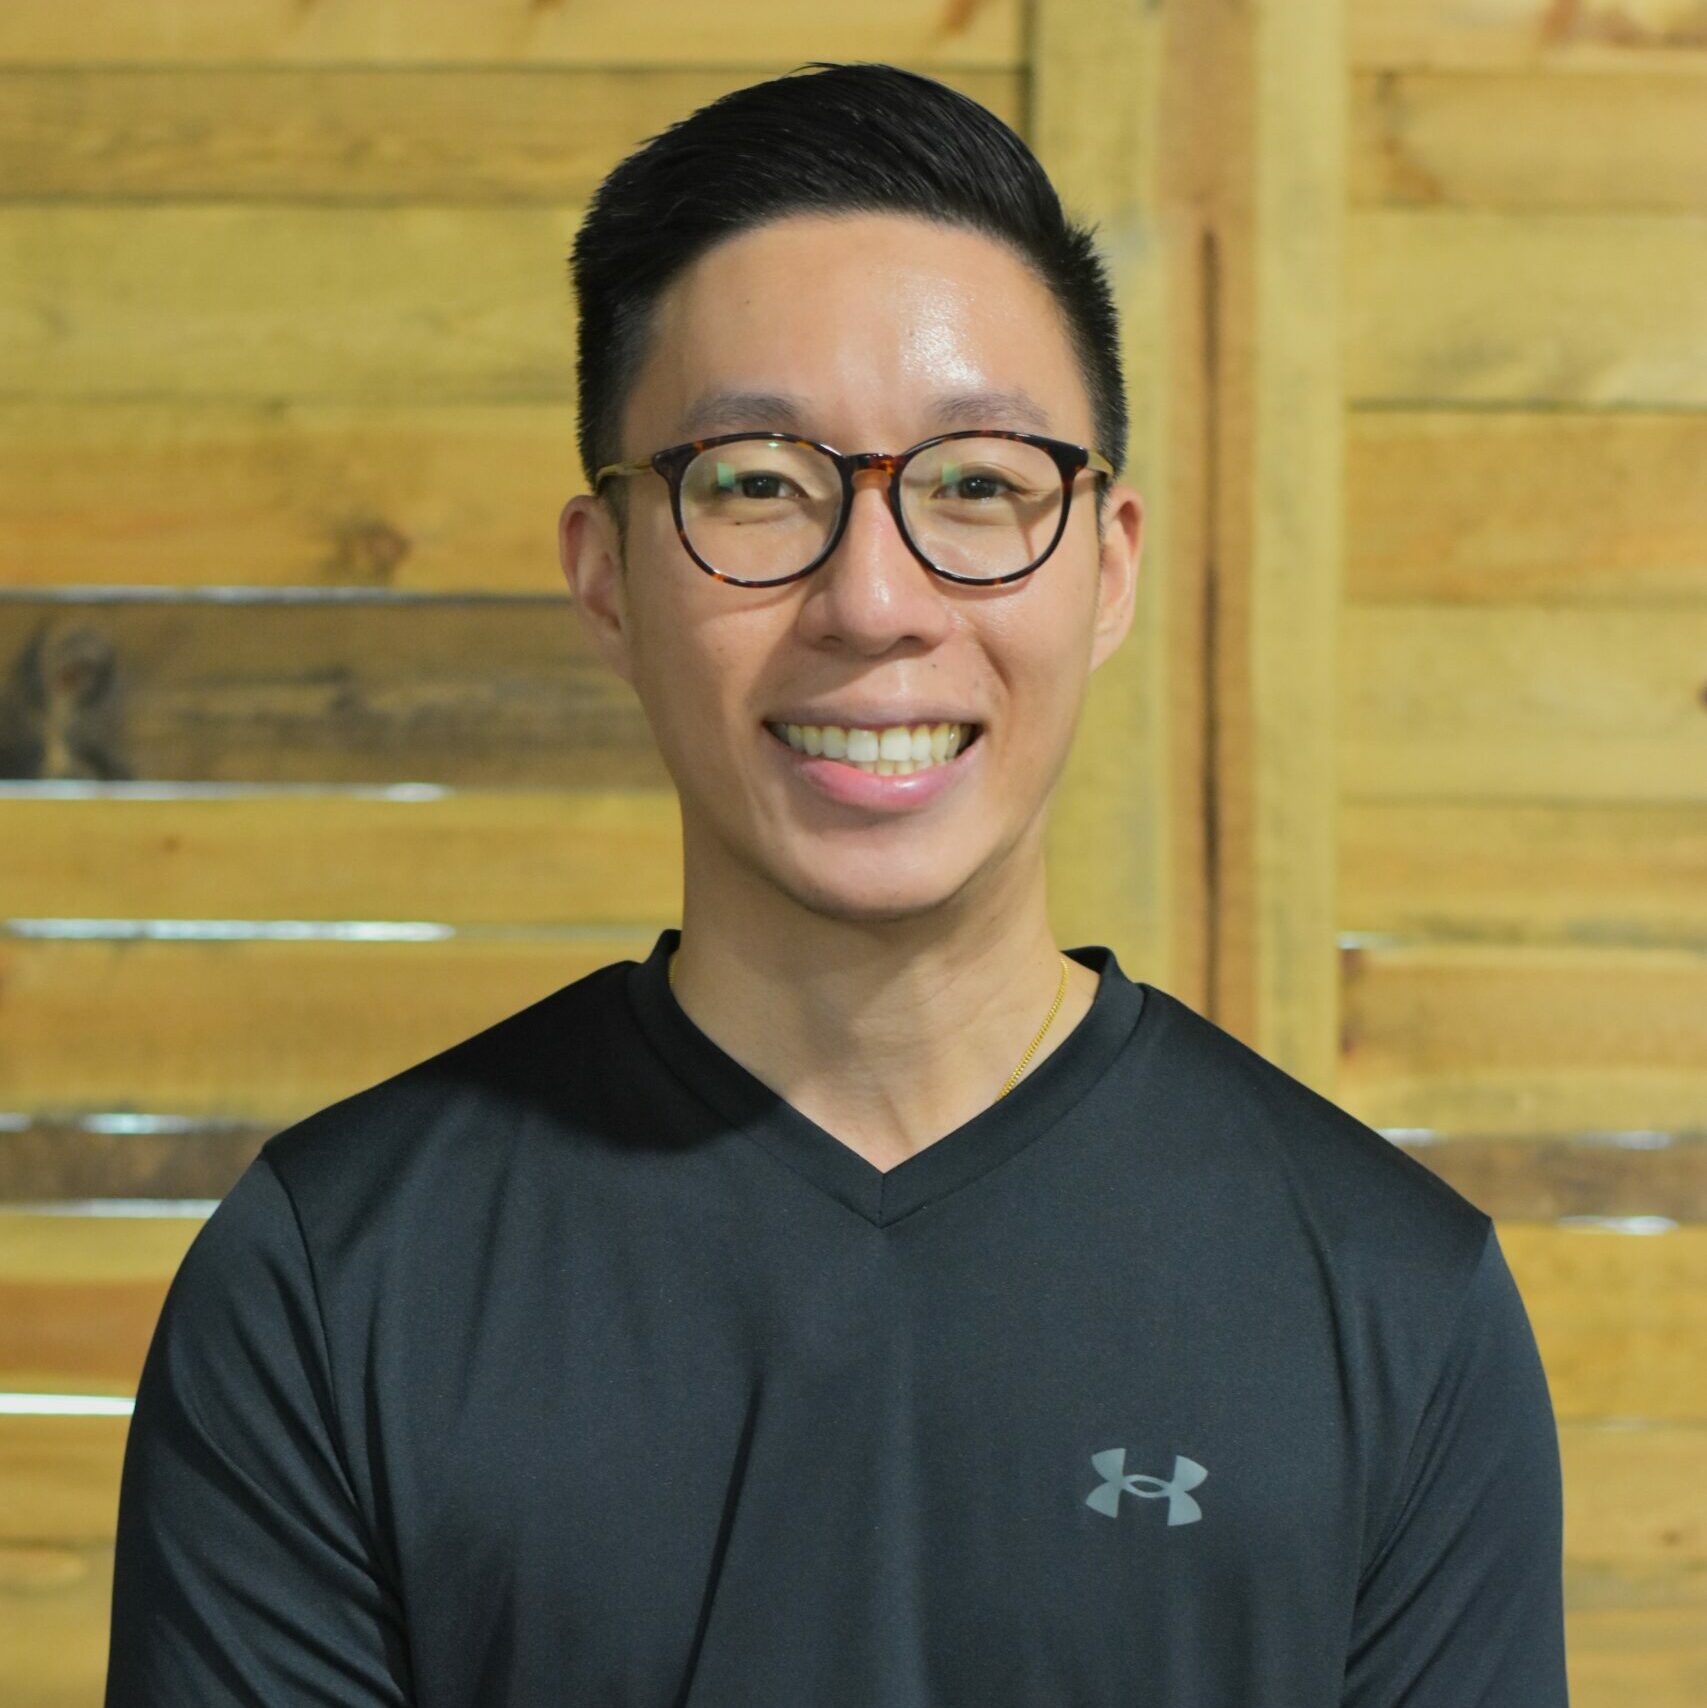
point(639, 467)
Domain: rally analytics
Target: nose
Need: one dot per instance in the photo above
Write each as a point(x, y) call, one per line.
point(872, 591)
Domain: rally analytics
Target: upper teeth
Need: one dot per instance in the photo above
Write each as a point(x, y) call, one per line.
point(896, 749)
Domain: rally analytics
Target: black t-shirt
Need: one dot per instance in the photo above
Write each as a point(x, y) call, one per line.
point(572, 1365)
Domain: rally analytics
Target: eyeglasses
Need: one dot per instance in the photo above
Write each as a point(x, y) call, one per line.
point(983, 505)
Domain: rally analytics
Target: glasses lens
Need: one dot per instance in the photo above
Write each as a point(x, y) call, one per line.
point(982, 507)
point(760, 509)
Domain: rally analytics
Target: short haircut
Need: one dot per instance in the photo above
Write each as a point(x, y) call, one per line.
point(848, 138)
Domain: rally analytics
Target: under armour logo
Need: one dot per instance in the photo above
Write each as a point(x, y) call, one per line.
point(1110, 1465)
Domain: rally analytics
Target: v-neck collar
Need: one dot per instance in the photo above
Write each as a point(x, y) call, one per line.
point(998, 1131)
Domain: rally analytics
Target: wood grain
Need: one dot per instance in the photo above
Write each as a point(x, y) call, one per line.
point(1489, 507)
point(496, 693)
point(358, 134)
point(1502, 1039)
point(1525, 703)
point(760, 34)
point(1537, 309)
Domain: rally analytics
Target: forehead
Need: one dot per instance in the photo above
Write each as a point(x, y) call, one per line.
point(863, 323)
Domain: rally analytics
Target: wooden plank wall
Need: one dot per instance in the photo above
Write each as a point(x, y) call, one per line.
point(305, 770)
point(1521, 904)
point(285, 423)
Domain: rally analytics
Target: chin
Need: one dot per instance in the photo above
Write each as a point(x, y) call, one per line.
point(880, 898)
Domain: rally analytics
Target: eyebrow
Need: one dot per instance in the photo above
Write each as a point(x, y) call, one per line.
point(733, 410)
point(987, 408)
point(719, 411)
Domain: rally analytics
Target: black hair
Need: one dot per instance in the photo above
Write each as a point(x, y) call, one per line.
point(858, 137)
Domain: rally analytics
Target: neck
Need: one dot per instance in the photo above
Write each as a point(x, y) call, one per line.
point(888, 1033)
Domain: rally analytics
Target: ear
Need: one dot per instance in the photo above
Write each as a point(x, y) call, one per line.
point(591, 555)
point(1117, 569)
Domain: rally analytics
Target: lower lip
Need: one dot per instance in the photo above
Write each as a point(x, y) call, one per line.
point(853, 787)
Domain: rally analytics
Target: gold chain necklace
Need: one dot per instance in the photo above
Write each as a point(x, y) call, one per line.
point(1013, 1078)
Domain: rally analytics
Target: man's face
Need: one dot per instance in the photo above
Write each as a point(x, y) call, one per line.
point(867, 321)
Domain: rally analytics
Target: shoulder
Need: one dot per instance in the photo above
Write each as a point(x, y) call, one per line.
point(1379, 1219)
point(453, 1121)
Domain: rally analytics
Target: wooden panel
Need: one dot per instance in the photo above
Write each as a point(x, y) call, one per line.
point(1609, 1178)
point(127, 1155)
point(1484, 507)
point(1651, 1654)
point(1593, 874)
point(1621, 1318)
point(1510, 140)
point(463, 858)
point(55, 1603)
point(356, 134)
point(79, 1298)
point(1126, 807)
point(227, 300)
point(1533, 308)
point(254, 1029)
point(415, 499)
point(758, 34)
point(494, 692)
point(1296, 494)
point(1602, 35)
point(1525, 703)
point(1494, 1039)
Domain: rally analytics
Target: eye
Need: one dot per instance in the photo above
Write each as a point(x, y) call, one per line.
point(759, 484)
point(974, 485)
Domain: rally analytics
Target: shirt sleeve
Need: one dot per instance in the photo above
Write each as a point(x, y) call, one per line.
point(1461, 1603)
point(243, 1570)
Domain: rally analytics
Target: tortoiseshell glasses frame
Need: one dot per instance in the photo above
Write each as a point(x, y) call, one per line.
point(672, 463)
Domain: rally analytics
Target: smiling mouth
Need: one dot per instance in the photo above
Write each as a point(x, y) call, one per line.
point(947, 742)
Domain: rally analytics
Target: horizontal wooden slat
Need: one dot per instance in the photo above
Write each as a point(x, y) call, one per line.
point(156, 1156)
point(1621, 1319)
point(775, 34)
point(1604, 35)
point(79, 1298)
point(1652, 1655)
point(238, 301)
point(1524, 703)
point(470, 857)
point(1494, 1039)
point(416, 499)
point(263, 1031)
point(451, 134)
point(1482, 506)
point(55, 1606)
point(1523, 872)
point(1532, 308)
point(1554, 140)
point(499, 693)
point(1620, 1316)
point(1541, 1177)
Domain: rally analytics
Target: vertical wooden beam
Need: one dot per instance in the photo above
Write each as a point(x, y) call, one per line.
point(1125, 846)
point(1255, 147)
point(1298, 413)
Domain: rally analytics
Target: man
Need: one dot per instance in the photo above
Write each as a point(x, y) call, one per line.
point(859, 1301)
